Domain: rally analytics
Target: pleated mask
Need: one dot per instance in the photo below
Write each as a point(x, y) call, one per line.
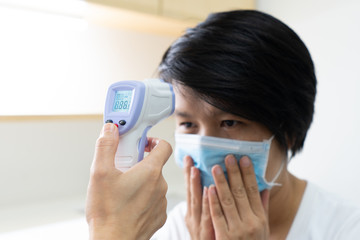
point(208, 151)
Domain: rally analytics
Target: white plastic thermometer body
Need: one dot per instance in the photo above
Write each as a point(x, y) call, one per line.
point(135, 107)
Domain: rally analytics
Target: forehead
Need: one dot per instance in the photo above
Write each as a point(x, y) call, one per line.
point(188, 102)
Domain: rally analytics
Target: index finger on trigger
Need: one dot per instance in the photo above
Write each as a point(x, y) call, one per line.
point(160, 153)
point(151, 144)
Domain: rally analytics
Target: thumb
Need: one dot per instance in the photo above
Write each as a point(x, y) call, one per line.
point(106, 146)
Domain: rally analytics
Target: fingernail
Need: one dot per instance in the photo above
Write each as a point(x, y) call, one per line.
point(218, 170)
point(245, 162)
point(212, 189)
point(109, 127)
point(187, 161)
point(231, 160)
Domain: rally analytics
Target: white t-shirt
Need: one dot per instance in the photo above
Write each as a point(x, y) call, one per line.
point(321, 215)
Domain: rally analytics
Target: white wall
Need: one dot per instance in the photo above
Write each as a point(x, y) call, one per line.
point(331, 31)
point(45, 159)
point(60, 64)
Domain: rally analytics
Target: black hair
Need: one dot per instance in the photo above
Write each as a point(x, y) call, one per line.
point(250, 64)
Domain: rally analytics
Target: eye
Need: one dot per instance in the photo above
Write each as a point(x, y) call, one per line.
point(229, 123)
point(186, 124)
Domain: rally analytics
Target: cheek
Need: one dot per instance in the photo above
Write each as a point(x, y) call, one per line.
point(276, 157)
point(248, 132)
point(257, 132)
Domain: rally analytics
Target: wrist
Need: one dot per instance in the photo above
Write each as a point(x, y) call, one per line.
point(107, 231)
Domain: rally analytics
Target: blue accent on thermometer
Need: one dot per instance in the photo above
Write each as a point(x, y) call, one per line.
point(135, 107)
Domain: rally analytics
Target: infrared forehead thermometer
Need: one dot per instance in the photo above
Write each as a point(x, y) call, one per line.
point(135, 107)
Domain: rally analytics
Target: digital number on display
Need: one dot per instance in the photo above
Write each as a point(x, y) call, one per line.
point(122, 101)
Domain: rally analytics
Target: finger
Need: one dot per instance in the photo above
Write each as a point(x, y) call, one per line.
point(207, 229)
point(159, 154)
point(195, 191)
point(188, 163)
point(105, 149)
point(265, 197)
point(217, 216)
point(251, 186)
point(152, 143)
point(237, 186)
point(225, 197)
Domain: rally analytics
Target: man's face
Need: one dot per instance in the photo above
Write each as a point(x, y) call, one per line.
point(195, 116)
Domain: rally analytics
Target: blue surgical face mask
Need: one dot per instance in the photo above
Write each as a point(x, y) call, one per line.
point(209, 151)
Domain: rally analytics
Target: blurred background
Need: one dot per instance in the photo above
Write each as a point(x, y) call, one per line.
point(58, 57)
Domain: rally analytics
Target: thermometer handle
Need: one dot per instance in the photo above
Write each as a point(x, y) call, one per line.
point(131, 148)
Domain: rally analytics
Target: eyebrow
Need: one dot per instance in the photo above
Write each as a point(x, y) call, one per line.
point(182, 114)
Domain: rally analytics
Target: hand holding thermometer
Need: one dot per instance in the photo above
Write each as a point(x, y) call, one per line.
point(135, 107)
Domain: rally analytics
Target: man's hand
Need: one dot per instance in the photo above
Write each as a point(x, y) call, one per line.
point(233, 209)
point(237, 209)
point(198, 218)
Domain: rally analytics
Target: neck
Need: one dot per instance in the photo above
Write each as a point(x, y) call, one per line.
point(284, 203)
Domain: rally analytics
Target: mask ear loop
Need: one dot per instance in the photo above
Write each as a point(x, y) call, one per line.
point(271, 138)
point(273, 183)
point(289, 157)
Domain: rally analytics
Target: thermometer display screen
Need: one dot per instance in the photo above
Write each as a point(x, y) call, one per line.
point(122, 101)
